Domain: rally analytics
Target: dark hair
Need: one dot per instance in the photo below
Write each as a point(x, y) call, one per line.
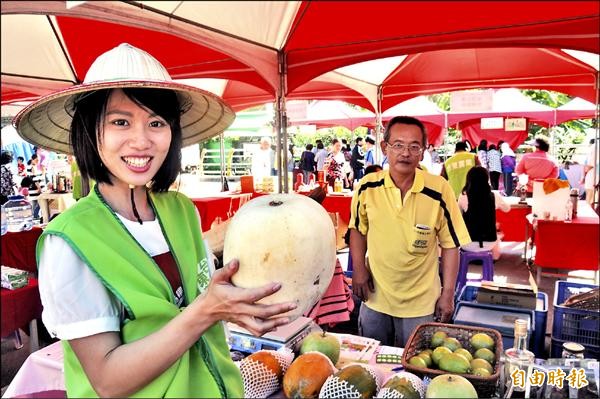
point(372, 169)
point(344, 141)
point(542, 144)
point(482, 145)
point(492, 147)
point(21, 159)
point(309, 146)
point(334, 141)
point(481, 213)
point(460, 146)
point(370, 140)
point(358, 140)
point(87, 125)
point(26, 181)
point(320, 145)
point(500, 143)
point(6, 157)
point(405, 120)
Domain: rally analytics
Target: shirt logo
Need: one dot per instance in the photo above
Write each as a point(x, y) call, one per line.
point(203, 275)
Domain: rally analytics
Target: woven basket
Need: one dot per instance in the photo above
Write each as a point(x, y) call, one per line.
point(421, 338)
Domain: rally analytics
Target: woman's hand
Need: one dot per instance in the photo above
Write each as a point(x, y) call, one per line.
point(224, 301)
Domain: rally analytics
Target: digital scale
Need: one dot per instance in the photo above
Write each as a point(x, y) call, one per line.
point(287, 335)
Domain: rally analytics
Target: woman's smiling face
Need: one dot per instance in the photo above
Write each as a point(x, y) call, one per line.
point(134, 141)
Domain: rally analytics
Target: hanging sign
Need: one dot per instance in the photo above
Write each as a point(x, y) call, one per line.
point(492, 123)
point(515, 124)
point(471, 101)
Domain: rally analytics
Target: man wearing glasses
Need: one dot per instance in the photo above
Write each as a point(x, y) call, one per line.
point(403, 215)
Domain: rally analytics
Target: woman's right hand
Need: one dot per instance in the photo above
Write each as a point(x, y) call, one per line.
point(224, 301)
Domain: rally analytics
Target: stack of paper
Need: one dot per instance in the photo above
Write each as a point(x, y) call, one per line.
point(14, 278)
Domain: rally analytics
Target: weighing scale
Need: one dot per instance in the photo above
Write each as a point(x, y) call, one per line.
point(287, 335)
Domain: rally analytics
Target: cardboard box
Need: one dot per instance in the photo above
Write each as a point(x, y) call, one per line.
point(519, 296)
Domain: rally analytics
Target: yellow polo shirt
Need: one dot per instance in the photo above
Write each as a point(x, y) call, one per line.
point(403, 237)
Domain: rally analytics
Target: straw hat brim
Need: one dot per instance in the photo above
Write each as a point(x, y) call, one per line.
point(46, 123)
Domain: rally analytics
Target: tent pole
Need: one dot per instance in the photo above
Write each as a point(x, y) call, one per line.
point(378, 127)
point(281, 117)
point(224, 185)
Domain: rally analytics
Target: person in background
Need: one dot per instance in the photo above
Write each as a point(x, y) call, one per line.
point(435, 156)
point(482, 151)
point(537, 164)
point(470, 147)
point(307, 163)
point(320, 156)
point(494, 166)
point(7, 188)
point(137, 304)
point(401, 216)
point(290, 163)
point(479, 203)
point(508, 162)
point(456, 167)
point(262, 160)
point(30, 189)
point(574, 173)
point(590, 169)
point(21, 169)
point(369, 151)
point(335, 163)
point(316, 147)
point(357, 161)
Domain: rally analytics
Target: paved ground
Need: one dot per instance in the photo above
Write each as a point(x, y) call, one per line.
point(509, 268)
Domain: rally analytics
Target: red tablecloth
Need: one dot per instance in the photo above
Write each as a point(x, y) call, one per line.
point(572, 245)
point(513, 222)
point(211, 208)
point(19, 307)
point(18, 249)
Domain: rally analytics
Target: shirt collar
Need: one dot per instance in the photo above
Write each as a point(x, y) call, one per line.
point(418, 183)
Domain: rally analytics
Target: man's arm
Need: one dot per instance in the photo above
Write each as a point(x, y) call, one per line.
point(444, 307)
point(443, 172)
point(362, 282)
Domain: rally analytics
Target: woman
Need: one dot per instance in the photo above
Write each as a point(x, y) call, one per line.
point(124, 274)
point(508, 161)
point(479, 205)
point(8, 184)
point(494, 166)
point(335, 163)
point(482, 153)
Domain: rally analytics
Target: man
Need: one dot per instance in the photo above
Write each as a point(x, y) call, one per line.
point(263, 160)
point(456, 167)
point(536, 164)
point(401, 215)
point(369, 152)
point(590, 171)
point(357, 159)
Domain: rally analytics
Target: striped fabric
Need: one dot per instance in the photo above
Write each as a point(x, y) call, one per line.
point(336, 304)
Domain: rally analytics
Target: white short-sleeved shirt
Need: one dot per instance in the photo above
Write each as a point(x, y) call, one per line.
point(76, 303)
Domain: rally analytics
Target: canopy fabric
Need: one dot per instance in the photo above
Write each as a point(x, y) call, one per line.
point(471, 130)
point(245, 41)
point(577, 108)
point(334, 113)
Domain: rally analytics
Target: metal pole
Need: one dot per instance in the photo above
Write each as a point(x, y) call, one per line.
point(378, 127)
point(282, 136)
point(224, 185)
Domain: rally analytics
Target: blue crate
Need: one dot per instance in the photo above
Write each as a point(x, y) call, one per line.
point(575, 325)
point(590, 352)
point(500, 318)
point(538, 338)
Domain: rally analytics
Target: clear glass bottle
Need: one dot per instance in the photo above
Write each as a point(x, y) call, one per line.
point(569, 211)
point(515, 359)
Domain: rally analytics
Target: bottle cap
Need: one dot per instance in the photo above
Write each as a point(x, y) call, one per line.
point(521, 327)
point(573, 347)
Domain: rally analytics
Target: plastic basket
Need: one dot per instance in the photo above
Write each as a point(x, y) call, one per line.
point(590, 352)
point(537, 339)
point(574, 325)
point(421, 337)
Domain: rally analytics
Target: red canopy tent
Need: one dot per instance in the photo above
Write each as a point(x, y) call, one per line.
point(577, 108)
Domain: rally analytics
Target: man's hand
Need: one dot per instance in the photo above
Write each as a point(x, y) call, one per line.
point(444, 308)
point(362, 283)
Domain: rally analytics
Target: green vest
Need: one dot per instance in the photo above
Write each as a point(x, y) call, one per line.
point(97, 235)
point(457, 167)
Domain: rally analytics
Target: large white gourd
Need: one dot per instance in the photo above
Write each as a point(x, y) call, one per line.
point(286, 238)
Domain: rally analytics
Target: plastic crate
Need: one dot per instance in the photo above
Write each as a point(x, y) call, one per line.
point(574, 325)
point(591, 352)
point(500, 318)
point(538, 338)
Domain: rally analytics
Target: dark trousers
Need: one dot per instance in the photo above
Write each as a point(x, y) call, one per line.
point(508, 183)
point(494, 179)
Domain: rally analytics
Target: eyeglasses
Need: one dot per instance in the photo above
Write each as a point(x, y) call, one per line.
point(400, 147)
